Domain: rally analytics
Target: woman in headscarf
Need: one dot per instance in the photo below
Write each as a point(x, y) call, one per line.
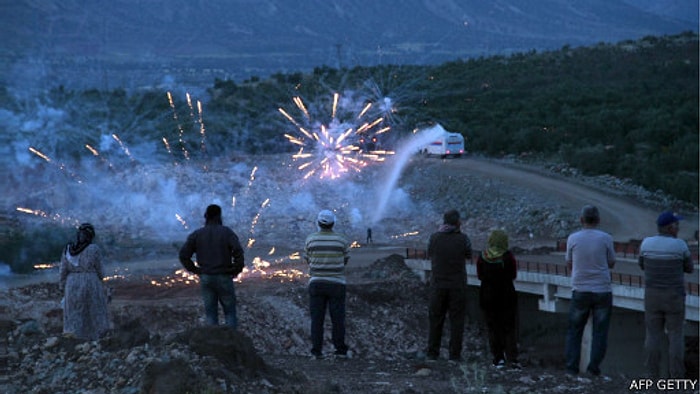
point(496, 268)
point(85, 310)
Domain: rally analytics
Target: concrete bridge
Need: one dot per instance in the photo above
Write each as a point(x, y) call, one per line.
point(549, 277)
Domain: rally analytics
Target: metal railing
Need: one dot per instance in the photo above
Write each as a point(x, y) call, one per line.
point(630, 249)
point(630, 280)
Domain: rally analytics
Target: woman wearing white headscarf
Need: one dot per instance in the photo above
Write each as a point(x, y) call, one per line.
point(85, 310)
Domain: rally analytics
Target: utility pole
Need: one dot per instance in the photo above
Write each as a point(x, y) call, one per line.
point(339, 53)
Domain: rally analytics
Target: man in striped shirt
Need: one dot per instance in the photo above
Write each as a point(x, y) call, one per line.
point(327, 253)
point(664, 258)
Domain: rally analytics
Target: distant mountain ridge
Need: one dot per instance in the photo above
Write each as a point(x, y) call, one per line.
point(257, 37)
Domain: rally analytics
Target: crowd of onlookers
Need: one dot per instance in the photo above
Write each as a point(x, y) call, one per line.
point(214, 253)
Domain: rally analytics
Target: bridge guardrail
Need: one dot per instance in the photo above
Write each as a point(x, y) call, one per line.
point(630, 249)
point(630, 280)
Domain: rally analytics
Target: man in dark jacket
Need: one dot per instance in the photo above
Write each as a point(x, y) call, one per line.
point(448, 250)
point(215, 246)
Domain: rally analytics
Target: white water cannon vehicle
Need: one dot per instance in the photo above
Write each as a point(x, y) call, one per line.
point(445, 144)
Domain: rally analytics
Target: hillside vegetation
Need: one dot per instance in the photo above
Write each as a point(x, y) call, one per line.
point(628, 109)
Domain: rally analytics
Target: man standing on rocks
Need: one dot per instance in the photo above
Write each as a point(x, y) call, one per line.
point(327, 253)
point(664, 258)
point(216, 246)
point(589, 255)
point(448, 250)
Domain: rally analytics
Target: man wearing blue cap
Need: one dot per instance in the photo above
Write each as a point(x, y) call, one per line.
point(664, 258)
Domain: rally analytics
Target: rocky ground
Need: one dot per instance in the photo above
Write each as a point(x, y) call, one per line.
point(159, 344)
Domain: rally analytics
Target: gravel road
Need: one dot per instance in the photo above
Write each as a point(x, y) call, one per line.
point(625, 217)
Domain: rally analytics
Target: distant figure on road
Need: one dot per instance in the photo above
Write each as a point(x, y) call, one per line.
point(590, 256)
point(85, 310)
point(496, 268)
point(216, 246)
point(369, 236)
point(664, 258)
point(327, 253)
point(448, 249)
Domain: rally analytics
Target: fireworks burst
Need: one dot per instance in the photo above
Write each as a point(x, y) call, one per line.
point(349, 141)
point(181, 131)
point(125, 149)
point(60, 166)
point(196, 121)
point(55, 217)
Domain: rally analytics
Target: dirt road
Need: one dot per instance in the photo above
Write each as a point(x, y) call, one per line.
point(622, 217)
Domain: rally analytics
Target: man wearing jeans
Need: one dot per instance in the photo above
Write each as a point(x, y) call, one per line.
point(590, 256)
point(326, 252)
point(216, 246)
point(664, 258)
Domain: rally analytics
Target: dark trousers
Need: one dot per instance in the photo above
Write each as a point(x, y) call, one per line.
point(501, 320)
point(331, 295)
point(664, 316)
point(444, 303)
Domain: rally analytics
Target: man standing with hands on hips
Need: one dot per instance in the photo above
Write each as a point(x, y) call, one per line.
point(219, 260)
